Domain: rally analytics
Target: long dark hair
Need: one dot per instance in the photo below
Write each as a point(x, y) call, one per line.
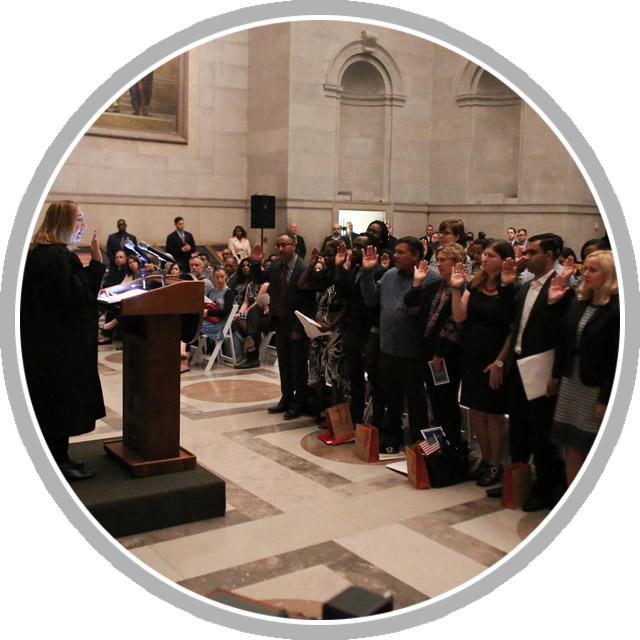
point(384, 235)
point(504, 249)
point(240, 277)
point(244, 233)
point(135, 259)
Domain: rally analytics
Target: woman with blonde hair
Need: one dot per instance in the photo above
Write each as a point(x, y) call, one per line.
point(59, 333)
point(585, 361)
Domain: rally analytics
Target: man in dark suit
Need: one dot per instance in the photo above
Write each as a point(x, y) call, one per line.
point(181, 244)
point(115, 242)
point(336, 231)
point(537, 328)
point(301, 248)
point(292, 343)
point(349, 236)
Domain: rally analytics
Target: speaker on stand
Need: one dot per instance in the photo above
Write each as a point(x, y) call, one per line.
point(263, 213)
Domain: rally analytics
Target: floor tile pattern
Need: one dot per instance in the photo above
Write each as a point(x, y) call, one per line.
point(305, 520)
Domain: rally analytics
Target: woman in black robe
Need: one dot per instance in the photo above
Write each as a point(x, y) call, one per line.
point(58, 322)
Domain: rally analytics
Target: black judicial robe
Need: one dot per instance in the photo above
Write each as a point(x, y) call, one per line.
point(59, 335)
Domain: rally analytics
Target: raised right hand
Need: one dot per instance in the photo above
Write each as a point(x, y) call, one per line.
point(420, 272)
point(458, 276)
point(557, 289)
point(257, 253)
point(509, 271)
point(370, 258)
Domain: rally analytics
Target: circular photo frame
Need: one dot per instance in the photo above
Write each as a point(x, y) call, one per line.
point(609, 208)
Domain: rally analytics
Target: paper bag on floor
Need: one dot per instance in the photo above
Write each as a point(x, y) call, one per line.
point(416, 468)
point(367, 443)
point(516, 485)
point(340, 422)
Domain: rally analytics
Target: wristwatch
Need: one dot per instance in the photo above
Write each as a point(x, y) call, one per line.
point(499, 363)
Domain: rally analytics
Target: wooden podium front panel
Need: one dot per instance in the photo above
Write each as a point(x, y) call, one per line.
point(151, 396)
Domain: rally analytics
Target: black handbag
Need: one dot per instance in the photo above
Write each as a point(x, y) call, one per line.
point(448, 465)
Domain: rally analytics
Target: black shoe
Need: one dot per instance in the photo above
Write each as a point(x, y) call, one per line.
point(534, 504)
point(490, 476)
point(248, 364)
point(496, 492)
point(279, 408)
point(74, 464)
point(479, 471)
point(72, 473)
point(291, 414)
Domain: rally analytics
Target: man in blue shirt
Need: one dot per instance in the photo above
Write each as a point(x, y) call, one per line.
point(402, 368)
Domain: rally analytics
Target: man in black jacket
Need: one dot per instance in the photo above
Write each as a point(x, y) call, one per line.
point(536, 329)
point(301, 248)
point(181, 244)
point(292, 343)
point(115, 242)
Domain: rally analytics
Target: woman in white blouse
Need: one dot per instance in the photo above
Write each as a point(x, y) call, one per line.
point(239, 244)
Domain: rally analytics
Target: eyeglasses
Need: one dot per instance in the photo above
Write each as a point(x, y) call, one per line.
point(280, 245)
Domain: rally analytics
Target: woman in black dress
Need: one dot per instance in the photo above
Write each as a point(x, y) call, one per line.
point(585, 361)
point(485, 341)
point(59, 333)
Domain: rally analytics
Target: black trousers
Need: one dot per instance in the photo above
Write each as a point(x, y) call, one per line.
point(530, 424)
point(403, 378)
point(444, 397)
point(293, 363)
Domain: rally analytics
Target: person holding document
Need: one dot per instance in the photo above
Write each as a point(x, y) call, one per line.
point(585, 360)
point(441, 345)
point(536, 331)
point(486, 313)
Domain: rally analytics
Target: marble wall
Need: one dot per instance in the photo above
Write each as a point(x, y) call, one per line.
point(415, 130)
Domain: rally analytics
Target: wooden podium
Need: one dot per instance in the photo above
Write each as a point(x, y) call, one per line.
point(151, 324)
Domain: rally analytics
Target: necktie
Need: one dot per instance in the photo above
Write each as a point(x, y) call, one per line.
point(281, 310)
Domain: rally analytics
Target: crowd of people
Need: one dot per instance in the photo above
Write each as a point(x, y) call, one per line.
point(415, 327)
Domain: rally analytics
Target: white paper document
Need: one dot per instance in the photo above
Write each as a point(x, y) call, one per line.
point(311, 327)
point(535, 372)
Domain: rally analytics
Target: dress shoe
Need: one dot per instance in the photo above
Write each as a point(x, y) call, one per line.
point(279, 408)
point(248, 364)
point(491, 476)
point(291, 414)
point(71, 473)
point(74, 464)
point(534, 504)
point(496, 492)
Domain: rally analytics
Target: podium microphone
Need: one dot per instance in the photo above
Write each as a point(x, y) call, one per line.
point(161, 255)
point(137, 250)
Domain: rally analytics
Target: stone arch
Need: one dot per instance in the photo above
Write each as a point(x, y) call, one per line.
point(479, 87)
point(367, 50)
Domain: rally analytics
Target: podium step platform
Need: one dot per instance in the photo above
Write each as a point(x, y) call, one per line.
point(125, 505)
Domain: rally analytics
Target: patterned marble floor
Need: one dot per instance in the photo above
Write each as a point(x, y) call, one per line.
point(305, 520)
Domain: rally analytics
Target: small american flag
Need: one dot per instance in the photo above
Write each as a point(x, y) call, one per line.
point(429, 445)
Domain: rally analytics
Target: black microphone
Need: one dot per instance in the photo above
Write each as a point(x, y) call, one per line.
point(165, 257)
point(137, 250)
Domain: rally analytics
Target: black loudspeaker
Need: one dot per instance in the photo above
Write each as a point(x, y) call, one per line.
point(263, 212)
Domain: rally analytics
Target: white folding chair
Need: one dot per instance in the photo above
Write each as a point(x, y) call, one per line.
point(217, 350)
point(265, 347)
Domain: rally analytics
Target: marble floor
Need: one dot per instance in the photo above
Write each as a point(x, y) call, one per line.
point(305, 520)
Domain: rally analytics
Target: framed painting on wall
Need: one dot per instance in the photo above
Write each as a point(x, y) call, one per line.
point(153, 108)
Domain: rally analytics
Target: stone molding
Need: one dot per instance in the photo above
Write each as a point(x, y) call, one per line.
point(468, 95)
point(368, 50)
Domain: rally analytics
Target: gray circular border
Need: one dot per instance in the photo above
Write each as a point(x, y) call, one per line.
point(419, 614)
